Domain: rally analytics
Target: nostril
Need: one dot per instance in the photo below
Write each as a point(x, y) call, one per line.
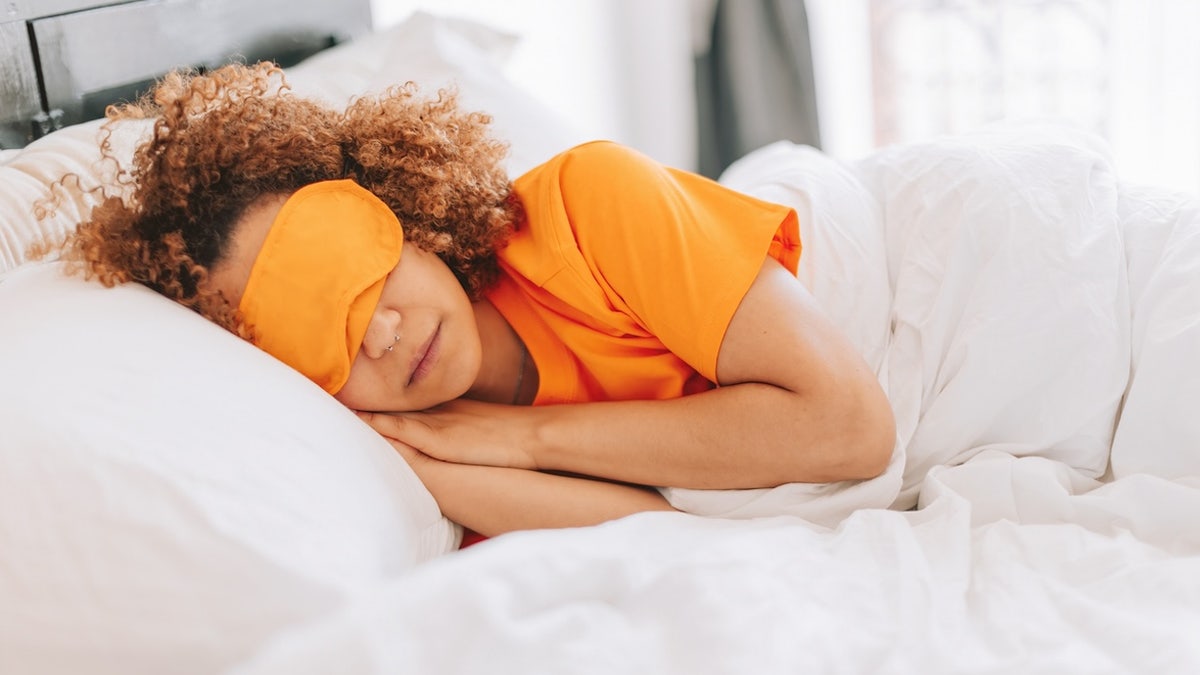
point(395, 339)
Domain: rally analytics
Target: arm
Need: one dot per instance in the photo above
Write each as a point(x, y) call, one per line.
point(797, 405)
point(494, 500)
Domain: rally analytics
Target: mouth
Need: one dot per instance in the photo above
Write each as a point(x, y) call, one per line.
point(425, 357)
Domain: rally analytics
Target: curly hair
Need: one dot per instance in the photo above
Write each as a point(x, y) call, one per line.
point(224, 139)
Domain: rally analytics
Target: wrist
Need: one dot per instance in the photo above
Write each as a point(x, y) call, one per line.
point(549, 435)
point(532, 443)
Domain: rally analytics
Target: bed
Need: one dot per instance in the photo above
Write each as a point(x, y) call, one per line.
point(174, 500)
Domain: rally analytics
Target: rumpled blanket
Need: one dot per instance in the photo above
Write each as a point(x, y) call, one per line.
point(1036, 323)
point(1014, 297)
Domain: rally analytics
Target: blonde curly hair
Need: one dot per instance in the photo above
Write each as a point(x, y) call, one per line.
point(224, 139)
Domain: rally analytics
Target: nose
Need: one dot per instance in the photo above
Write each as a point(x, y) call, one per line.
point(383, 333)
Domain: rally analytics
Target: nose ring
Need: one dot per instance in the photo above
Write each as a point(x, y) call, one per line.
point(395, 339)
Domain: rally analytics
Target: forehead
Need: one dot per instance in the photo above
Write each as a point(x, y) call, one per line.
point(231, 272)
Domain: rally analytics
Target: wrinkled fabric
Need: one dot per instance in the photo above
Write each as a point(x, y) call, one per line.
point(1031, 318)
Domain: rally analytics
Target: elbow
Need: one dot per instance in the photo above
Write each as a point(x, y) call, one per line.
point(871, 439)
point(848, 435)
point(859, 439)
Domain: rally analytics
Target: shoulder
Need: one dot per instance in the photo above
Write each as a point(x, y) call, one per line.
point(609, 163)
point(602, 153)
point(591, 165)
point(593, 184)
point(599, 152)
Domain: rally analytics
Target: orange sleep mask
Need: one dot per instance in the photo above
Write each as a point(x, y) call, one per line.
point(318, 277)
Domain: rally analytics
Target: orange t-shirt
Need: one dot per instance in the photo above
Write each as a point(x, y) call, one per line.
point(625, 275)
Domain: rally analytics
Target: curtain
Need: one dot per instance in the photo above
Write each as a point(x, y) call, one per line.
point(754, 83)
point(893, 71)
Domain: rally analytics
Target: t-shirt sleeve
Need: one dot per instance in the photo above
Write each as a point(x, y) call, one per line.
point(673, 249)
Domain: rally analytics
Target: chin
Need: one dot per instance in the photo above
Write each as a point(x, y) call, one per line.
point(460, 385)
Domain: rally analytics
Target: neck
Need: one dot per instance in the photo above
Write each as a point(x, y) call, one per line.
point(503, 358)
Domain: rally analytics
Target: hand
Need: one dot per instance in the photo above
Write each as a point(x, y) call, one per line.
point(462, 432)
point(416, 459)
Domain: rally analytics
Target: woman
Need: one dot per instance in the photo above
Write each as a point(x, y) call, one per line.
point(537, 350)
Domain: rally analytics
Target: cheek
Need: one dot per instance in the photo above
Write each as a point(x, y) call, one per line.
point(365, 389)
point(370, 389)
point(461, 366)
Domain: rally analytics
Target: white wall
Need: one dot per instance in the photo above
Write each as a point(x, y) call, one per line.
point(622, 69)
point(619, 69)
point(841, 50)
point(1154, 86)
point(1156, 92)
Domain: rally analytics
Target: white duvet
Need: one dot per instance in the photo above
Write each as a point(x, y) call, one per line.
point(1036, 324)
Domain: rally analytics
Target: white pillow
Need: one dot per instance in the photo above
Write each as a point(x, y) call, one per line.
point(432, 51)
point(170, 496)
point(438, 52)
point(25, 177)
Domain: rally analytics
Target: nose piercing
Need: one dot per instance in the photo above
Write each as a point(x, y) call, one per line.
point(392, 346)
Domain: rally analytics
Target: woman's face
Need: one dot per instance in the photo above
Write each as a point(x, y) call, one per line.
point(422, 345)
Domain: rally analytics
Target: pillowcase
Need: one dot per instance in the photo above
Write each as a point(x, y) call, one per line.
point(171, 496)
point(432, 51)
point(435, 53)
point(25, 177)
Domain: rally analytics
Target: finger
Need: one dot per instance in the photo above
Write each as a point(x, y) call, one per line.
point(403, 428)
point(375, 420)
point(406, 451)
point(415, 458)
point(378, 421)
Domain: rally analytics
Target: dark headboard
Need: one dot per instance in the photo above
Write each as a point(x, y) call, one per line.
point(64, 61)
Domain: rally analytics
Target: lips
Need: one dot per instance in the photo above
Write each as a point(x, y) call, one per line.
point(425, 357)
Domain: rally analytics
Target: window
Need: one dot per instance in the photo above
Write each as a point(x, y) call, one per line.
point(1128, 70)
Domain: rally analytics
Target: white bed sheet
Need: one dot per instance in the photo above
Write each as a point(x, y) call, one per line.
point(939, 590)
point(1034, 313)
point(1035, 322)
point(169, 495)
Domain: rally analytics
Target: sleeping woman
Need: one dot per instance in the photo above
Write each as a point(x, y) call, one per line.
point(541, 350)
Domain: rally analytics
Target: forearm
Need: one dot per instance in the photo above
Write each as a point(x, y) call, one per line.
point(800, 405)
point(495, 500)
point(742, 436)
